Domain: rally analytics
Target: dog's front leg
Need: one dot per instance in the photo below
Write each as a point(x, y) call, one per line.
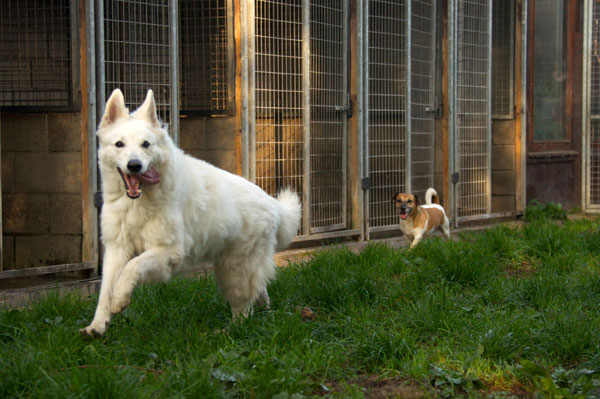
point(154, 265)
point(114, 261)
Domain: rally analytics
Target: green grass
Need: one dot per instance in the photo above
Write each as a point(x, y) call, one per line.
point(502, 313)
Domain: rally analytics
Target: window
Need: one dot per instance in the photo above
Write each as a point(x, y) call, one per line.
point(36, 53)
point(206, 56)
point(550, 72)
point(503, 36)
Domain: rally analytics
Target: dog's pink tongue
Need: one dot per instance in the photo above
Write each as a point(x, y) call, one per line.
point(150, 177)
point(403, 215)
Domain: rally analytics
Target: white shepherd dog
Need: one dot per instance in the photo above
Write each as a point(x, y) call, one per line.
point(190, 211)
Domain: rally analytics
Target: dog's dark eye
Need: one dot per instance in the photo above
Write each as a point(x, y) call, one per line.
point(146, 144)
point(409, 201)
point(119, 144)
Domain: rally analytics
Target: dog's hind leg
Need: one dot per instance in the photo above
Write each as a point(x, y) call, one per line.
point(243, 279)
point(114, 261)
point(445, 227)
point(154, 265)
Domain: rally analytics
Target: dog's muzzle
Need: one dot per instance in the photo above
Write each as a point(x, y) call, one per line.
point(403, 212)
point(133, 182)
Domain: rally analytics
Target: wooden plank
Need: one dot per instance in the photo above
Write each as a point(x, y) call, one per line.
point(36, 271)
point(89, 252)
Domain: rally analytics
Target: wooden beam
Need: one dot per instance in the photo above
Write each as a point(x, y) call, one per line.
point(37, 271)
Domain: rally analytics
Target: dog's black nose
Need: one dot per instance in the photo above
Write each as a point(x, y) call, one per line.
point(135, 165)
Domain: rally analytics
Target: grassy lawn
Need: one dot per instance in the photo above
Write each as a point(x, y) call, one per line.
point(503, 313)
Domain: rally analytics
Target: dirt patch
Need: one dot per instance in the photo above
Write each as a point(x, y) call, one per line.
point(374, 387)
point(524, 270)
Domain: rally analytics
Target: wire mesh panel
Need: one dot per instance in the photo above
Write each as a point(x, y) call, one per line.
point(503, 37)
point(36, 53)
point(137, 52)
point(278, 96)
point(327, 119)
point(387, 108)
point(300, 98)
point(422, 48)
point(206, 51)
point(472, 107)
point(593, 86)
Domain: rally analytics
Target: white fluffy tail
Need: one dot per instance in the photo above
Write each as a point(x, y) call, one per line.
point(431, 195)
point(290, 217)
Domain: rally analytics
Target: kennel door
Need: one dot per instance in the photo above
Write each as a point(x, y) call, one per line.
point(386, 89)
point(470, 107)
point(591, 107)
point(299, 87)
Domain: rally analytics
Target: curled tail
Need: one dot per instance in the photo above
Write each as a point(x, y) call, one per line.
point(290, 217)
point(431, 197)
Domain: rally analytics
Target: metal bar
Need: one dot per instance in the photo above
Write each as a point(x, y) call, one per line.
point(251, 90)
point(408, 173)
point(360, 122)
point(452, 201)
point(306, 112)
point(333, 234)
point(245, 90)
point(174, 70)
point(100, 60)
point(586, 111)
point(38, 271)
point(489, 111)
point(523, 110)
point(345, 56)
point(366, 113)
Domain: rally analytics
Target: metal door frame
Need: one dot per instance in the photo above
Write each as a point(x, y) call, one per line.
point(366, 181)
point(453, 155)
point(588, 39)
point(248, 117)
point(101, 94)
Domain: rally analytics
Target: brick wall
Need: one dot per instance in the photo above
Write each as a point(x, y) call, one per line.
point(209, 139)
point(41, 189)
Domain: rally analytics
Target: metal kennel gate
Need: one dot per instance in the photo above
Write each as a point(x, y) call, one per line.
point(399, 98)
point(470, 107)
point(137, 50)
point(591, 107)
point(298, 124)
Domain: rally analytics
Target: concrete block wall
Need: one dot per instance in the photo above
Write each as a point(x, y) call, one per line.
point(211, 139)
point(503, 166)
point(41, 189)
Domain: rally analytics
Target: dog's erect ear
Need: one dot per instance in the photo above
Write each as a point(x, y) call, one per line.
point(395, 196)
point(115, 109)
point(147, 111)
point(416, 199)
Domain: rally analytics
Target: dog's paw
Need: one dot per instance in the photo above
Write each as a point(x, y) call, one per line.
point(95, 329)
point(118, 304)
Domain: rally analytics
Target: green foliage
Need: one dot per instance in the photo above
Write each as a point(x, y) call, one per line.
point(464, 317)
point(537, 211)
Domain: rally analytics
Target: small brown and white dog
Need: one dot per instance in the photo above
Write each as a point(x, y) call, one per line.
point(418, 221)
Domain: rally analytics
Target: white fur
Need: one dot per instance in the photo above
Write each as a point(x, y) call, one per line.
point(196, 213)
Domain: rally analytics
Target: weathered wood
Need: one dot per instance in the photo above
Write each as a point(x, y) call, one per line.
point(37, 271)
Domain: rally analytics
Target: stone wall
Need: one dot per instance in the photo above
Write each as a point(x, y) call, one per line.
point(41, 189)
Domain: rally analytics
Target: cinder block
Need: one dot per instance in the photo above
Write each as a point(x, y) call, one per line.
point(192, 134)
point(64, 132)
point(65, 214)
point(503, 203)
point(220, 134)
point(503, 183)
point(221, 159)
point(32, 251)
point(503, 132)
point(48, 173)
point(8, 252)
point(8, 172)
point(503, 157)
point(24, 132)
point(25, 213)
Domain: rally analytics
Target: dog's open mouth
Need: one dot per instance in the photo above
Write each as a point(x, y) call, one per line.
point(133, 183)
point(404, 214)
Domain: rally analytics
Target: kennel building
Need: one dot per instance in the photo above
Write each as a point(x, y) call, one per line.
point(347, 102)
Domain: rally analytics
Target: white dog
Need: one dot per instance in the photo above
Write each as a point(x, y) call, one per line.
point(190, 211)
